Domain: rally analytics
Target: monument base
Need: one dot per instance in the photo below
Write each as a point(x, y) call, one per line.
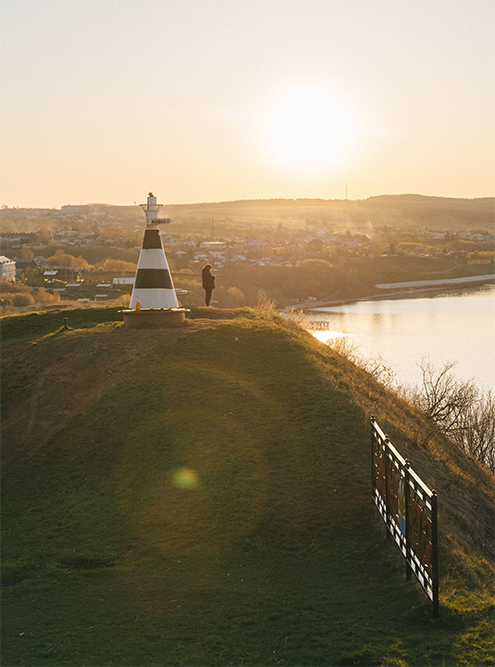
point(154, 317)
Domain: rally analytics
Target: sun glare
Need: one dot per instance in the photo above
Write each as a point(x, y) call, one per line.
point(308, 129)
point(327, 336)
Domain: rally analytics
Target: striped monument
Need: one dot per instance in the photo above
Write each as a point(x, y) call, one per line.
point(153, 299)
point(153, 287)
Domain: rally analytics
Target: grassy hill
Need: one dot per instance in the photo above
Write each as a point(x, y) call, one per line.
point(202, 496)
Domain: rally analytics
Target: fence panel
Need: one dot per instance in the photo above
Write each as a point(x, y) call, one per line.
point(409, 510)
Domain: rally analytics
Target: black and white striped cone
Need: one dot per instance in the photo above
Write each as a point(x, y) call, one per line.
point(153, 301)
point(153, 287)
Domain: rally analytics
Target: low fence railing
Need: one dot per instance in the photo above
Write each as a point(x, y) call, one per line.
point(409, 510)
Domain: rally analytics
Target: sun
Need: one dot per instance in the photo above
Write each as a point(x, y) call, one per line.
point(308, 128)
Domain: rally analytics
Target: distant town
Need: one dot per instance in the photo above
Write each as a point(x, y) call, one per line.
point(288, 252)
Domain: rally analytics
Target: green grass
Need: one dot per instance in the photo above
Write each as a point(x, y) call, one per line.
point(292, 605)
point(201, 496)
point(33, 326)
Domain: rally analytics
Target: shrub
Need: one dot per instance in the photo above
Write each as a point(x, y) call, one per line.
point(123, 300)
point(22, 299)
point(116, 265)
point(11, 286)
point(235, 298)
point(43, 295)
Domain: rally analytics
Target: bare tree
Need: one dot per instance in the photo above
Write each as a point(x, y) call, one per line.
point(476, 433)
point(443, 397)
point(460, 409)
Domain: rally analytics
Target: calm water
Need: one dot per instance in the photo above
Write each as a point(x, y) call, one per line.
point(454, 327)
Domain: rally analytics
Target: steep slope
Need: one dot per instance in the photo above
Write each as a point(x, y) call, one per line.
point(234, 447)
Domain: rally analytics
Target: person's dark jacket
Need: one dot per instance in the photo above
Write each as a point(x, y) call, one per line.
point(208, 279)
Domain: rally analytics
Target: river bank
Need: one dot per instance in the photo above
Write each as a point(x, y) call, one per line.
point(409, 290)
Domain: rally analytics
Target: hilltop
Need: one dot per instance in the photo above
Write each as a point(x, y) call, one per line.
point(201, 496)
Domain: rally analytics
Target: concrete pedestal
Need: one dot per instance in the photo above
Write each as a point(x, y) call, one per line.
point(154, 317)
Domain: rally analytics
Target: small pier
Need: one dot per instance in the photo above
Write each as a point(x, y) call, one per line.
point(318, 325)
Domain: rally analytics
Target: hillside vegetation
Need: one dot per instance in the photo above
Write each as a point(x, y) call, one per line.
point(202, 496)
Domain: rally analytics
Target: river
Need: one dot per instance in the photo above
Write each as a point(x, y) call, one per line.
point(456, 326)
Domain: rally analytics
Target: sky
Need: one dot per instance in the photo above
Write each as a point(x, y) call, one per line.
point(103, 101)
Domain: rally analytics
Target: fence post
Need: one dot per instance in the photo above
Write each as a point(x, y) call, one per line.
point(373, 485)
point(434, 553)
point(387, 489)
point(406, 509)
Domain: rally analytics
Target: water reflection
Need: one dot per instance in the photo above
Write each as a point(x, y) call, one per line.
point(327, 336)
point(454, 327)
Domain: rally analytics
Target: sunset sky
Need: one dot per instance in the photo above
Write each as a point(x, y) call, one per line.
point(214, 100)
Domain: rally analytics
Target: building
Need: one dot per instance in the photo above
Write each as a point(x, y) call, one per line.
point(7, 268)
point(23, 263)
point(71, 209)
point(214, 245)
point(123, 281)
point(69, 235)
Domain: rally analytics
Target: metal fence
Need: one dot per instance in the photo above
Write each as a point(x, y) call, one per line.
point(409, 510)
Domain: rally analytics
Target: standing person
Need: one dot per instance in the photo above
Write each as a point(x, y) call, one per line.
point(208, 282)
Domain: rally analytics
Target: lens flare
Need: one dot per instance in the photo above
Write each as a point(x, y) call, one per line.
point(185, 478)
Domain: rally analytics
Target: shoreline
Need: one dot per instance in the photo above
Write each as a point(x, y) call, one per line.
point(403, 293)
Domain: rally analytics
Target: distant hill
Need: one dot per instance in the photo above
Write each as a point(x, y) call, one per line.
point(407, 210)
point(401, 210)
point(201, 496)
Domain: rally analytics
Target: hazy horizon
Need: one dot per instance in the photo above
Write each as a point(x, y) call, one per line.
point(229, 101)
point(253, 200)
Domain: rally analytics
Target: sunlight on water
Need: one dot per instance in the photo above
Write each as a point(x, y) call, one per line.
point(326, 336)
point(457, 327)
